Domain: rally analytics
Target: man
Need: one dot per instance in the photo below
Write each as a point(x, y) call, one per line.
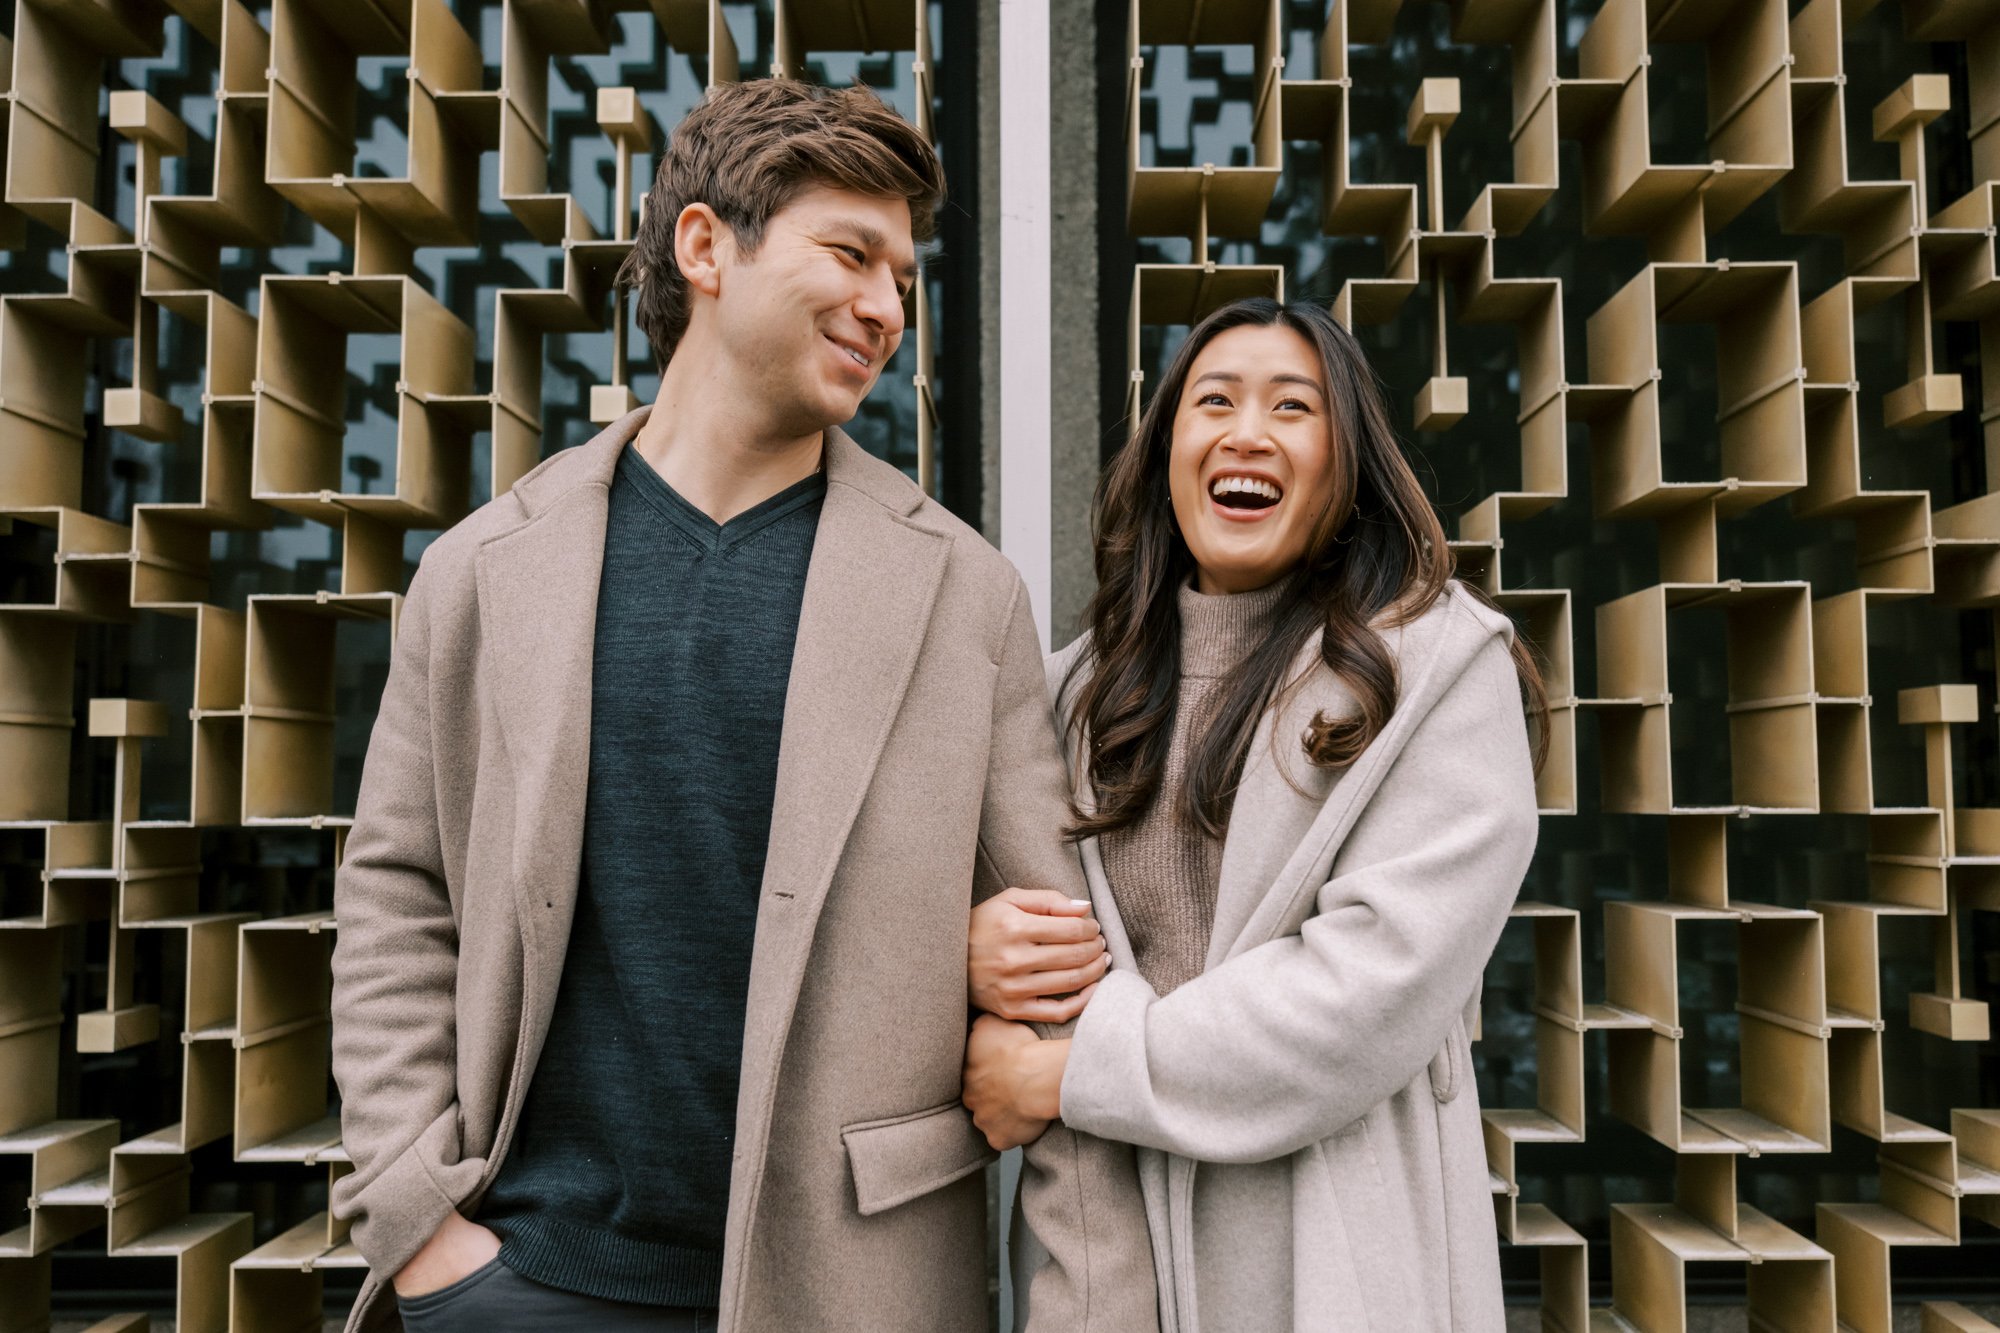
point(697, 749)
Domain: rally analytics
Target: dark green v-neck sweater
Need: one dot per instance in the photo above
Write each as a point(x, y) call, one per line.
point(617, 1183)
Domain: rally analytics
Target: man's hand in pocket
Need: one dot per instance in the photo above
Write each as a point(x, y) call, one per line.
point(454, 1250)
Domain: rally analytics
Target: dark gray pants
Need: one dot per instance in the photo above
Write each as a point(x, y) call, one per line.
point(496, 1299)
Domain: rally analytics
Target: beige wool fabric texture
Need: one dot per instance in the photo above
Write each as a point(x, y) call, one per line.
point(1310, 1142)
point(918, 773)
point(1163, 868)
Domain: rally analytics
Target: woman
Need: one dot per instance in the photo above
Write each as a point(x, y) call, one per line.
point(1305, 799)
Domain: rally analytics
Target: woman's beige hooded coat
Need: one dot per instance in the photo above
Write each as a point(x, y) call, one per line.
point(1311, 1149)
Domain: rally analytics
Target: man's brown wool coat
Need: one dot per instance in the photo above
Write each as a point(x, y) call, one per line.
point(918, 773)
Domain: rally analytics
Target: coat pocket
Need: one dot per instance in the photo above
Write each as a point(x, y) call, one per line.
point(1452, 1063)
point(438, 1309)
point(907, 1156)
point(1381, 1233)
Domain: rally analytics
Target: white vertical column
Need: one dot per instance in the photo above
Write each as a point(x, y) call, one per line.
point(1025, 304)
point(1026, 530)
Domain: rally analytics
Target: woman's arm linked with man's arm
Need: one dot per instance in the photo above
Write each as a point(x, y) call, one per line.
point(1287, 1043)
point(1079, 1194)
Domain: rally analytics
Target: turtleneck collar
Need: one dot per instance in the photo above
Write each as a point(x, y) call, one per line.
point(1218, 630)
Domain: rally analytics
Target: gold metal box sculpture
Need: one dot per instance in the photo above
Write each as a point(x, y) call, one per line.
point(262, 711)
point(1791, 416)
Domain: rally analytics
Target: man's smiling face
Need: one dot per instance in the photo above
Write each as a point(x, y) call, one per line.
point(817, 311)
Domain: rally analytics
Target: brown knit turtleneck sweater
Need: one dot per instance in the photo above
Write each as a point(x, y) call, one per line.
point(1162, 870)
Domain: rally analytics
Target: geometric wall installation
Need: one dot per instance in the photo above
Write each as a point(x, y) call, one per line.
point(1686, 312)
point(289, 289)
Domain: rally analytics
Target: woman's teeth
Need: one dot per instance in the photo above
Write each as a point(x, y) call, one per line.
point(1244, 492)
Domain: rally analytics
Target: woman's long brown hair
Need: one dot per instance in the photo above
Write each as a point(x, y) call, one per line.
point(1377, 559)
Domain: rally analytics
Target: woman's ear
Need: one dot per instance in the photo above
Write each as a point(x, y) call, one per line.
point(699, 237)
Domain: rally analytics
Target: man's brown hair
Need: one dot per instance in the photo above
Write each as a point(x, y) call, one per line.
point(751, 148)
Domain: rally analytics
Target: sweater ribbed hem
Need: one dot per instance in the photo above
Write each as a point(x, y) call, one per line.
point(592, 1261)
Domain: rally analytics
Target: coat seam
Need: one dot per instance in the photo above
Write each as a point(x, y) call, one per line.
point(1444, 1201)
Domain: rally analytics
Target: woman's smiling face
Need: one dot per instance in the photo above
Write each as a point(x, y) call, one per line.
point(1252, 466)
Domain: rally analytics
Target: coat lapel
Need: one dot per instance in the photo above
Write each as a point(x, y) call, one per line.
point(1090, 851)
point(1104, 903)
point(538, 617)
point(1288, 817)
point(1269, 818)
point(869, 591)
point(1277, 801)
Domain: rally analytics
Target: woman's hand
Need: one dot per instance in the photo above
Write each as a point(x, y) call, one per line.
point(1013, 1081)
point(1029, 946)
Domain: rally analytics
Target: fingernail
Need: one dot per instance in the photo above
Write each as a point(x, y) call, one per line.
point(1080, 902)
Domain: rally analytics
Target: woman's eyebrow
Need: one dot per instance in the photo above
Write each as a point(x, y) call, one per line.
point(1307, 380)
point(1282, 377)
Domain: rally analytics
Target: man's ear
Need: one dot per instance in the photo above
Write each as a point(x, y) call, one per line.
point(699, 238)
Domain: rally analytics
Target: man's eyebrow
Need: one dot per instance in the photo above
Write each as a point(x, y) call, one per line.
point(861, 231)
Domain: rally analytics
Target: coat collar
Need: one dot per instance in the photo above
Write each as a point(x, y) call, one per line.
point(873, 576)
point(593, 463)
